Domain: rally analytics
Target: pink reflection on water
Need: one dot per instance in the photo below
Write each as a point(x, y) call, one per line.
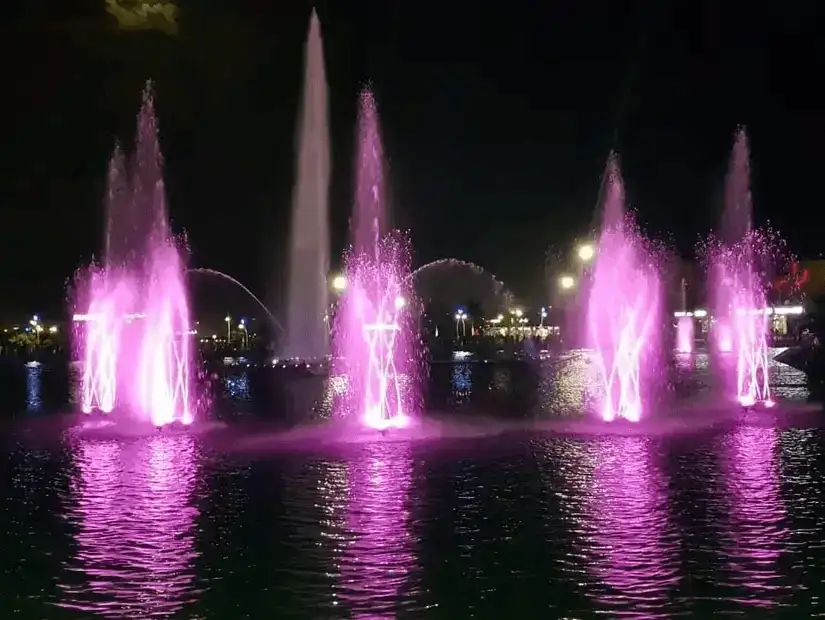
point(634, 545)
point(133, 516)
point(757, 513)
point(379, 555)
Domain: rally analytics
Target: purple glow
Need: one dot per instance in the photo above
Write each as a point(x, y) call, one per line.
point(743, 326)
point(739, 260)
point(623, 306)
point(723, 335)
point(136, 346)
point(379, 555)
point(757, 513)
point(375, 342)
point(684, 334)
point(134, 528)
point(635, 546)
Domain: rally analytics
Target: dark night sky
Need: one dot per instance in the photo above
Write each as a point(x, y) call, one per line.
point(497, 118)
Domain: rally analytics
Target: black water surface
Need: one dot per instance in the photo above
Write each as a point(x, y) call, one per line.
point(725, 521)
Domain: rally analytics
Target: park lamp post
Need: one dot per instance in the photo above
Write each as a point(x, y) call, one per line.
point(586, 252)
point(228, 320)
point(460, 318)
point(339, 284)
point(244, 333)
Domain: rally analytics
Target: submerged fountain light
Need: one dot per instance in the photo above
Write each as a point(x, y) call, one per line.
point(623, 307)
point(375, 344)
point(141, 368)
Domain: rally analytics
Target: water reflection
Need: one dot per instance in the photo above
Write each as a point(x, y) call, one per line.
point(236, 387)
point(34, 388)
point(379, 556)
point(563, 383)
point(462, 382)
point(634, 546)
point(757, 515)
point(134, 519)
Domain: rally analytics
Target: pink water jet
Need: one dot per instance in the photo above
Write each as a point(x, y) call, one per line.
point(134, 339)
point(739, 260)
point(623, 307)
point(684, 334)
point(376, 345)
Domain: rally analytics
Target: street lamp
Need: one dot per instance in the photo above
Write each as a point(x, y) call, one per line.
point(228, 320)
point(586, 252)
point(242, 327)
point(542, 316)
point(339, 284)
point(567, 282)
point(460, 317)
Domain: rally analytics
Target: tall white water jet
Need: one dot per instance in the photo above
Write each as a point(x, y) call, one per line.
point(308, 291)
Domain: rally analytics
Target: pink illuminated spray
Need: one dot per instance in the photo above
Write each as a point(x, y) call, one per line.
point(375, 343)
point(739, 260)
point(684, 334)
point(135, 340)
point(623, 306)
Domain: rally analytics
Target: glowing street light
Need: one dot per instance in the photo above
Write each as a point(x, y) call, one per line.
point(242, 327)
point(339, 284)
point(460, 318)
point(586, 252)
point(228, 320)
point(567, 282)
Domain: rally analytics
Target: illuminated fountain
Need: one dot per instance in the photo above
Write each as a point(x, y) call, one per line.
point(375, 343)
point(738, 259)
point(307, 334)
point(134, 336)
point(623, 307)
